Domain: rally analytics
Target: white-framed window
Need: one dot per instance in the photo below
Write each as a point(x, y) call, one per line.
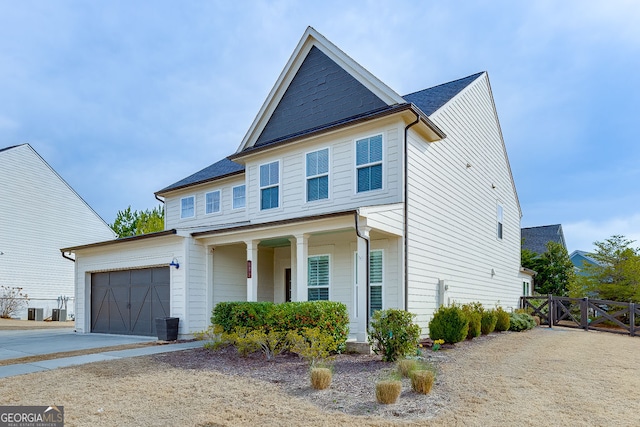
point(376, 279)
point(318, 278)
point(239, 196)
point(369, 164)
point(499, 221)
point(270, 185)
point(188, 207)
point(525, 289)
point(317, 164)
point(212, 202)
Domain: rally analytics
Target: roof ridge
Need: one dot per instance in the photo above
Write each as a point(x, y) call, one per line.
point(446, 83)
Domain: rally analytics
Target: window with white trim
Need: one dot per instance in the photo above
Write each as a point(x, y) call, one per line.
point(269, 185)
point(318, 175)
point(187, 207)
point(376, 276)
point(499, 219)
point(239, 200)
point(212, 202)
point(369, 164)
point(318, 278)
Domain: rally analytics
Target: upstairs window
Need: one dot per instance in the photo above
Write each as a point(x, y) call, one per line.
point(499, 217)
point(239, 200)
point(187, 207)
point(212, 202)
point(318, 280)
point(269, 185)
point(318, 175)
point(369, 163)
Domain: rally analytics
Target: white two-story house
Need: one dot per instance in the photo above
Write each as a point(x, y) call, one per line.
point(341, 190)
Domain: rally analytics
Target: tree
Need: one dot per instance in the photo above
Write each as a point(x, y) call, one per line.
point(616, 276)
point(554, 267)
point(132, 223)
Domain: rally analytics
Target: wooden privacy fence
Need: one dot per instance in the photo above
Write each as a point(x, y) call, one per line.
point(585, 313)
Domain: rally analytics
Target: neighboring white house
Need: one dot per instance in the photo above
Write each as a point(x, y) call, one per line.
point(341, 189)
point(39, 214)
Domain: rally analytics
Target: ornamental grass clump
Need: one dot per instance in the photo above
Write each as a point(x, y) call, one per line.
point(502, 320)
point(321, 378)
point(407, 366)
point(388, 391)
point(422, 381)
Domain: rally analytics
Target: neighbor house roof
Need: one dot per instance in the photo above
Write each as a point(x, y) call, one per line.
point(535, 239)
point(427, 100)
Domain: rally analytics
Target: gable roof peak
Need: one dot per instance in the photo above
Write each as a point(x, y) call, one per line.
point(358, 77)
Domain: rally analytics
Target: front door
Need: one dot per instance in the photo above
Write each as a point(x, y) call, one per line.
point(287, 284)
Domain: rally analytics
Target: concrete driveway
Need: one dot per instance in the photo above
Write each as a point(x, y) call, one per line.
point(22, 343)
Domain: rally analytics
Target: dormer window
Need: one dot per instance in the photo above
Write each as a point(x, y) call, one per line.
point(269, 185)
point(369, 164)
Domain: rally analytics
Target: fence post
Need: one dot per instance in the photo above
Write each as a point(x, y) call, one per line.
point(550, 305)
point(584, 318)
point(632, 319)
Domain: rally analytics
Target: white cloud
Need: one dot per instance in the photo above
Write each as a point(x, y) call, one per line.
point(582, 234)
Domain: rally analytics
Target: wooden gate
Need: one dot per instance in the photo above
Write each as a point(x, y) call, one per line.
point(585, 313)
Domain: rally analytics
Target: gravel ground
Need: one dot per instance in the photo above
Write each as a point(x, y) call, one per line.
point(540, 377)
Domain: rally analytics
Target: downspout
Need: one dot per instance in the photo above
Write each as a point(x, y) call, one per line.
point(406, 211)
point(159, 199)
point(67, 257)
point(356, 214)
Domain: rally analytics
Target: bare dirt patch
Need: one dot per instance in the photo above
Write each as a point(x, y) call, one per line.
point(541, 377)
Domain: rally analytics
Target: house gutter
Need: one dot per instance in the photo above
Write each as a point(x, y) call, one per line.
point(158, 198)
point(406, 210)
point(64, 255)
point(356, 215)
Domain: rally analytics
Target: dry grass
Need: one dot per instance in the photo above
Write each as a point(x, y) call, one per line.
point(406, 366)
point(541, 377)
point(16, 324)
point(388, 391)
point(422, 381)
point(320, 378)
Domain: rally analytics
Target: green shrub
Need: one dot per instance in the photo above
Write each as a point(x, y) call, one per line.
point(521, 322)
point(474, 316)
point(313, 344)
point(331, 317)
point(503, 320)
point(449, 324)
point(393, 333)
point(489, 320)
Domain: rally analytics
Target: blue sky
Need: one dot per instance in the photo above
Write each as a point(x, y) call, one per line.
point(124, 98)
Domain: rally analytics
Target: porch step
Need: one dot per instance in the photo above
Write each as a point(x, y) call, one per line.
point(358, 347)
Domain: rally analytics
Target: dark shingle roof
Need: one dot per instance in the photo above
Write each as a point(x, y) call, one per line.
point(430, 100)
point(224, 167)
point(535, 238)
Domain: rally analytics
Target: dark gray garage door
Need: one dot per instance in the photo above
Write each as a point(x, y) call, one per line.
point(127, 302)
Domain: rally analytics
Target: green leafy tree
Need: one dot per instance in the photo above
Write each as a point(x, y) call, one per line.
point(555, 270)
point(616, 276)
point(132, 223)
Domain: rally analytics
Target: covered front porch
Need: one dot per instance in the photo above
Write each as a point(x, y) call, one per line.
point(351, 258)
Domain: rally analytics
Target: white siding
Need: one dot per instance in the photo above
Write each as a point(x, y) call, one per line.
point(342, 192)
point(230, 273)
point(40, 214)
point(155, 252)
point(452, 213)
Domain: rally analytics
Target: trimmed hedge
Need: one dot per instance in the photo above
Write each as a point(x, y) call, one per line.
point(393, 333)
point(328, 316)
point(503, 321)
point(489, 320)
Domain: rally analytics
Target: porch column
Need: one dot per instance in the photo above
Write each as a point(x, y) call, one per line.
point(252, 270)
point(299, 255)
point(361, 309)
